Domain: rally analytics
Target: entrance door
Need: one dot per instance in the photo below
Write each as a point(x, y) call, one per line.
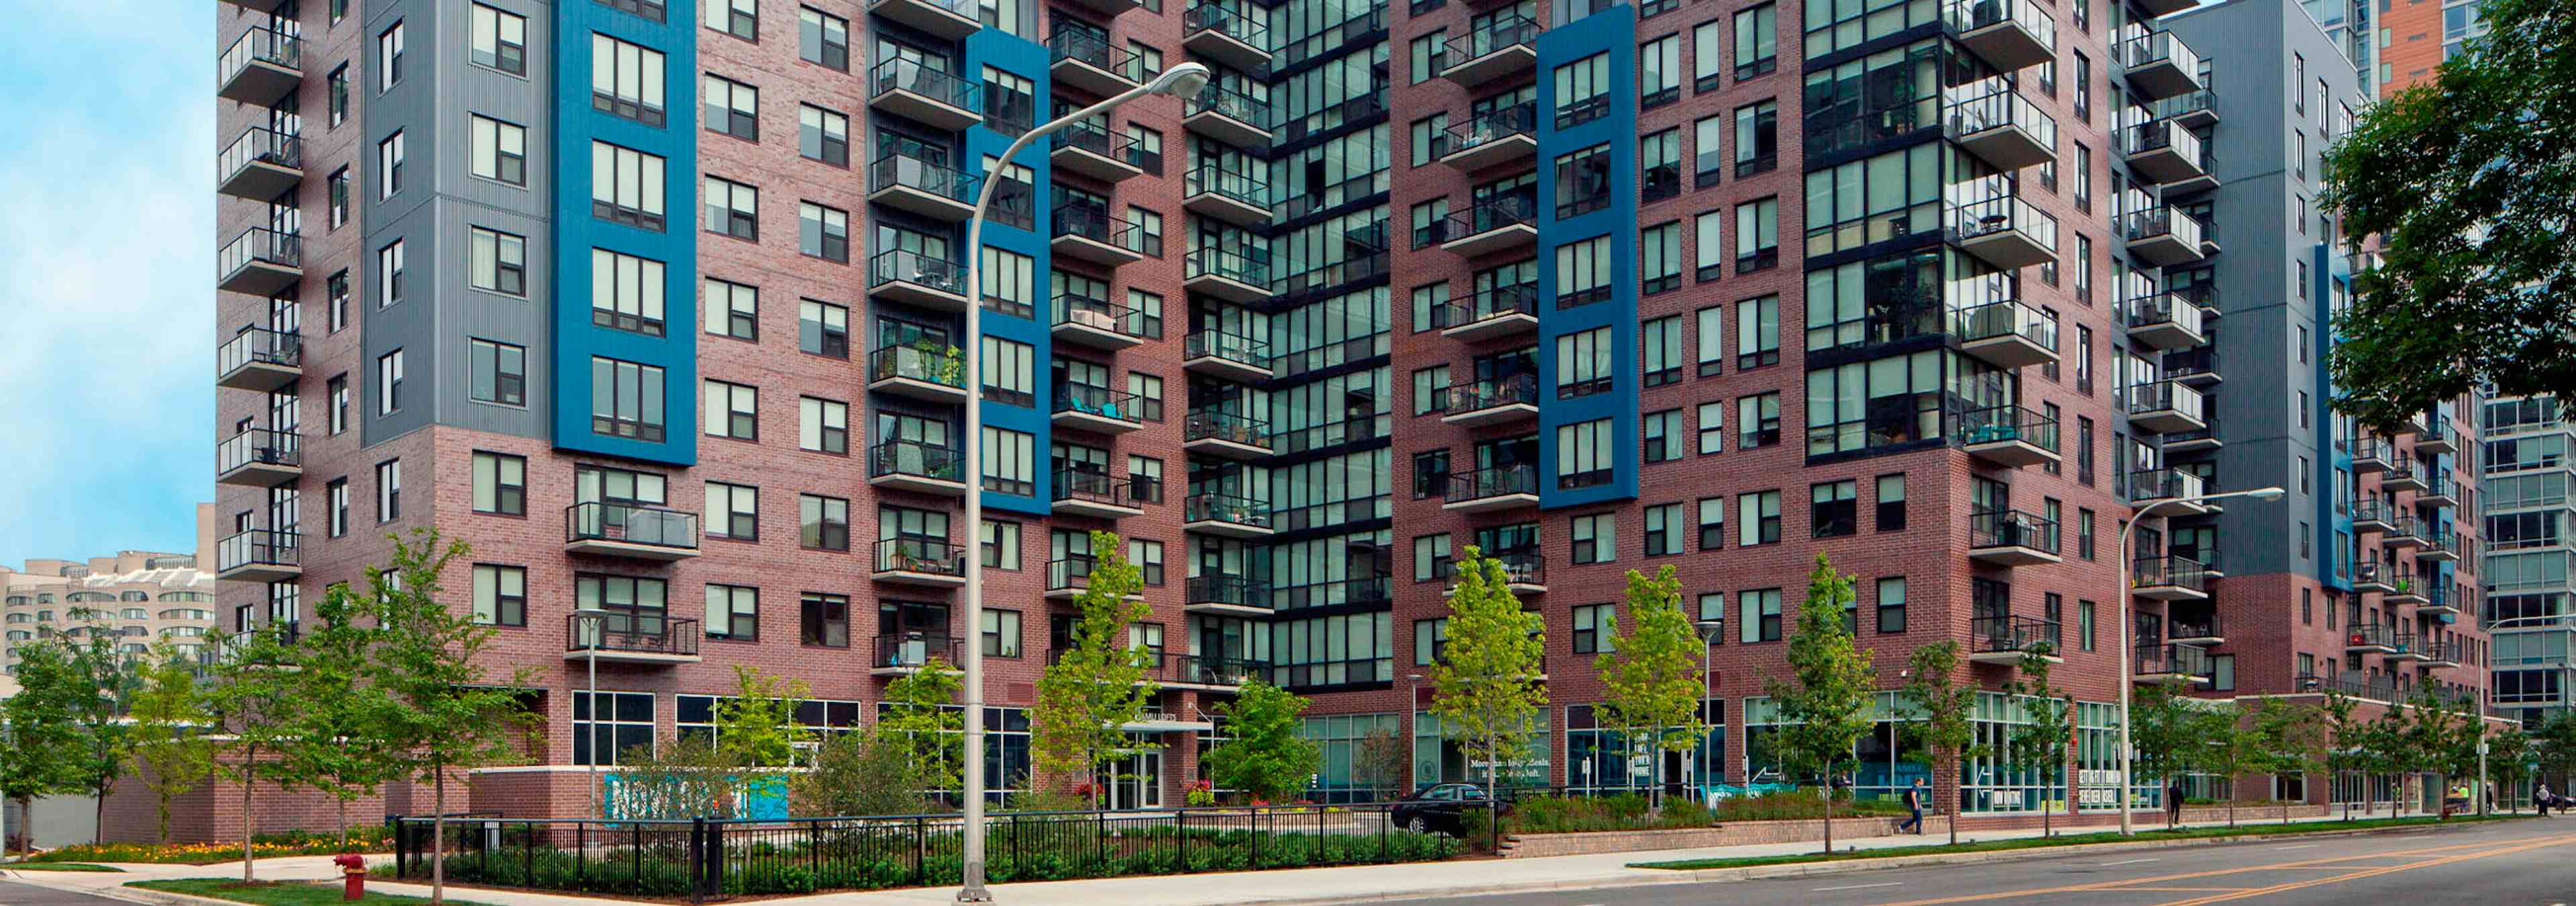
point(1139, 780)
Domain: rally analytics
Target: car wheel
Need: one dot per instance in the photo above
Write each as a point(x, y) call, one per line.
point(1417, 825)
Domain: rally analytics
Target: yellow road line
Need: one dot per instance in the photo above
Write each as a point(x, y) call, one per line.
point(2221, 872)
point(2372, 872)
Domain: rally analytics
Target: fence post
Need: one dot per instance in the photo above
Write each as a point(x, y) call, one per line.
point(528, 853)
point(1017, 863)
point(1181, 832)
point(1384, 818)
point(635, 874)
point(920, 852)
point(697, 860)
point(402, 854)
point(580, 855)
point(1255, 822)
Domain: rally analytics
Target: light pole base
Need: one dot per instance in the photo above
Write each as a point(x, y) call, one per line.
point(974, 891)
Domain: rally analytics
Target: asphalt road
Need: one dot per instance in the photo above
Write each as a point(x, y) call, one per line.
point(2513, 863)
point(16, 894)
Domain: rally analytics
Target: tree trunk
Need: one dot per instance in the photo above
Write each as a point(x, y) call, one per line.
point(438, 836)
point(1829, 812)
point(1953, 757)
point(98, 816)
point(344, 822)
point(250, 759)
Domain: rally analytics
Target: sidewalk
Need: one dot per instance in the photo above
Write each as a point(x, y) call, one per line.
point(1365, 883)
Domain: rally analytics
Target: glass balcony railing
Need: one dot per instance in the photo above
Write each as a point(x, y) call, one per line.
point(1097, 401)
point(1486, 305)
point(631, 524)
point(1098, 225)
point(259, 346)
point(259, 447)
point(2009, 634)
point(1520, 389)
point(1233, 105)
point(1227, 508)
point(915, 459)
point(905, 74)
point(1501, 33)
point(925, 361)
point(905, 266)
point(258, 547)
point(899, 170)
point(1500, 481)
point(1211, 179)
point(1231, 590)
point(2008, 317)
point(898, 650)
point(1231, 347)
point(631, 632)
point(920, 554)
point(2011, 528)
point(2002, 424)
point(1106, 142)
point(1226, 264)
point(1209, 424)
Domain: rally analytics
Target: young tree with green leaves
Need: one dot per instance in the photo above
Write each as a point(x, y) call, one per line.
point(41, 745)
point(338, 744)
point(1088, 696)
point(2229, 748)
point(1485, 688)
point(2164, 729)
point(2287, 739)
point(2346, 749)
point(2553, 749)
point(921, 718)
point(1825, 702)
point(1656, 686)
point(445, 713)
point(756, 727)
point(2048, 724)
point(1944, 709)
point(1265, 757)
point(170, 720)
point(1383, 760)
point(863, 772)
point(101, 685)
point(259, 706)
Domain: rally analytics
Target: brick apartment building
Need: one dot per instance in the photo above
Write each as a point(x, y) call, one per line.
point(1209, 330)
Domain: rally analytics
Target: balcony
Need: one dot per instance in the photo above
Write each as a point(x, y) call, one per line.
point(1225, 435)
point(1241, 199)
point(2171, 662)
point(2202, 181)
point(1233, 595)
point(1099, 152)
point(1229, 275)
point(2166, 406)
point(2203, 630)
point(260, 165)
point(259, 6)
point(2166, 321)
point(261, 67)
point(902, 181)
point(2163, 151)
point(2438, 601)
point(1488, 490)
point(919, 560)
point(1229, 116)
point(1090, 63)
point(1070, 575)
point(260, 262)
point(2437, 437)
point(630, 637)
point(1492, 226)
point(2442, 544)
point(630, 531)
point(1084, 232)
point(1208, 672)
point(907, 653)
point(261, 359)
point(259, 555)
point(2440, 489)
point(2405, 587)
point(2194, 110)
point(1496, 138)
point(925, 370)
point(2169, 579)
point(2404, 533)
point(2003, 129)
point(1502, 48)
point(2161, 66)
point(910, 465)
point(1524, 571)
point(2373, 516)
point(2164, 7)
point(2439, 654)
point(2369, 454)
point(2011, 34)
point(259, 458)
point(949, 19)
point(938, 99)
point(2406, 646)
point(912, 278)
point(2009, 436)
point(2371, 575)
point(2011, 538)
point(2402, 474)
point(1098, 495)
point(2005, 640)
point(2164, 236)
point(2370, 638)
point(2006, 333)
point(1490, 402)
point(1225, 514)
point(1491, 314)
point(2005, 232)
point(1108, 8)
point(1228, 356)
point(1098, 409)
point(1224, 35)
point(2169, 490)
point(2196, 367)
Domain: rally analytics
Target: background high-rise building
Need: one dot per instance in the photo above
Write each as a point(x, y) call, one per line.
point(2530, 573)
point(142, 598)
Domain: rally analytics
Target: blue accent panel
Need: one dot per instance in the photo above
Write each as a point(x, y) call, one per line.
point(1612, 31)
point(577, 232)
point(1029, 60)
point(2334, 527)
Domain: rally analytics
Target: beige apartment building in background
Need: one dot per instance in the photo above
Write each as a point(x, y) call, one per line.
point(141, 596)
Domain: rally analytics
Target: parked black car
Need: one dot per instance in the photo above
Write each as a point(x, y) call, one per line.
point(1440, 807)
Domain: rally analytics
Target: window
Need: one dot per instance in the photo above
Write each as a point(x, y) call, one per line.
point(626, 186)
point(1708, 55)
point(389, 54)
point(1584, 363)
point(500, 153)
point(1757, 139)
point(1429, 553)
point(824, 620)
point(1757, 330)
point(499, 39)
point(822, 328)
point(1430, 138)
point(497, 261)
point(1659, 166)
point(500, 592)
point(337, 391)
point(1834, 509)
point(339, 95)
point(823, 523)
point(732, 410)
point(732, 108)
point(389, 165)
point(1428, 55)
point(733, 612)
point(1583, 453)
point(1712, 353)
point(388, 491)
point(822, 38)
point(1758, 615)
point(1148, 558)
point(822, 425)
point(1583, 272)
point(626, 293)
point(1008, 372)
point(2084, 87)
point(626, 400)
point(1001, 633)
point(1758, 518)
point(1002, 545)
point(1593, 626)
point(823, 232)
point(732, 309)
point(336, 499)
point(1712, 428)
point(626, 80)
point(1009, 461)
point(739, 18)
point(1757, 35)
point(733, 209)
point(1757, 420)
point(339, 195)
point(733, 511)
point(1891, 605)
point(1757, 245)
point(499, 373)
point(1708, 156)
point(1663, 529)
point(1659, 72)
point(1596, 538)
point(389, 274)
point(1148, 390)
point(1661, 340)
point(823, 135)
point(1712, 523)
point(1662, 430)
point(389, 377)
point(1582, 90)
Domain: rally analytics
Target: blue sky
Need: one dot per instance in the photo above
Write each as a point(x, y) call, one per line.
point(107, 238)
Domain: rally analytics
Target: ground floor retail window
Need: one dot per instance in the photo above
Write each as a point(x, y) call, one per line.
point(1601, 760)
point(2005, 779)
point(622, 730)
point(1349, 772)
point(1439, 758)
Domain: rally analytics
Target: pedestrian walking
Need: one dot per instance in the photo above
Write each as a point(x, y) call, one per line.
point(1914, 802)
point(2173, 802)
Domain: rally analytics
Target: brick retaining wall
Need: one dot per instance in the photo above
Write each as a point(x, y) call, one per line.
point(1740, 833)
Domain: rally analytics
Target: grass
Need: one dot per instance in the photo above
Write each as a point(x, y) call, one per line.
point(2188, 833)
point(57, 866)
point(274, 893)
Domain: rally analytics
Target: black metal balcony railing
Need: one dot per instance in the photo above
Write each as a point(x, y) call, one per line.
point(2170, 572)
point(2011, 528)
point(1519, 567)
point(2172, 659)
point(1233, 105)
point(1093, 50)
point(920, 554)
point(2440, 652)
point(1211, 670)
point(1095, 487)
point(2194, 364)
point(2187, 104)
point(1097, 401)
point(2405, 642)
point(899, 170)
point(260, 144)
point(2439, 597)
point(1503, 33)
point(1109, 143)
point(901, 74)
point(1210, 424)
point(1227, 508)
point(916, 649)
point(1519, 389)
point(1480, 484)
point(262, 245)
point(2370, 635)
point(1227, 264)
point(925, 361)
point(916, 459)
point(1225, 22)
point(2008, 634)
point(907, 266)
point(2370, 572)
point(1098, 225)
point(259, 45)
point(1491, 126)
point(2157, 396)
point(1487, 304)
point(1232, 347)
point(1071, 572)
point(2164, 484)
point(1491, 214)
point(1237, 591)
point(2196, 626)
point(631, 524)
point(2405, 527)
point(1212, 179)
point(2003, 318)
point(258, 547)
point(637, 631)
point(2001, 424)
point(258, 446)
point(259, 346)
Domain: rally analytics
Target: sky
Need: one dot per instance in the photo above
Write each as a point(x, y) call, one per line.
point(107, 210)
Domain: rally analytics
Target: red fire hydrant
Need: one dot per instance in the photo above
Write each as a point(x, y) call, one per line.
point(353, 876)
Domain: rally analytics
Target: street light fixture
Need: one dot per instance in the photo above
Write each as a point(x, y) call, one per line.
point(1709, 632)
point(2128, 648)
point(1183, 81)
point(1412, 731)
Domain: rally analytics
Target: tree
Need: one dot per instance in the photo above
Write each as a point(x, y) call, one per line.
point(338, 743)
point(1943, 711)
point(2288, 739)
point(683, 778)
point(1103, 683)
point(2164, 728)
point(2048, 723)
point(2467, 181)
point(866, 772)
point(1656, 688)
point(1383, 760)
point(444, 713)
point(169, 723)
point(40, 744)
point(1825, 701)
point(258, 706)
point(756, 727)
point(2450, 736)
point(2228, 748)
point(2553, 748)
point(100, 684)
point(2347, 749)
point(1266, 757)
point(1485, 687)
point(922, 720)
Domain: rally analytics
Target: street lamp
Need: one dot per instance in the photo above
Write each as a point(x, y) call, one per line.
point(2128, 647)
point(1709, 631)
point(1182, 81)
point(1412, 731)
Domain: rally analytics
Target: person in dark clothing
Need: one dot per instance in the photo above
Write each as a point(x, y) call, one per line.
point(2173, 802)
point(1914, 801)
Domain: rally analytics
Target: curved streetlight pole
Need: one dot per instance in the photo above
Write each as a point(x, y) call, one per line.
point(2128, 651)
point(1708, 635)
point(1182, 81)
